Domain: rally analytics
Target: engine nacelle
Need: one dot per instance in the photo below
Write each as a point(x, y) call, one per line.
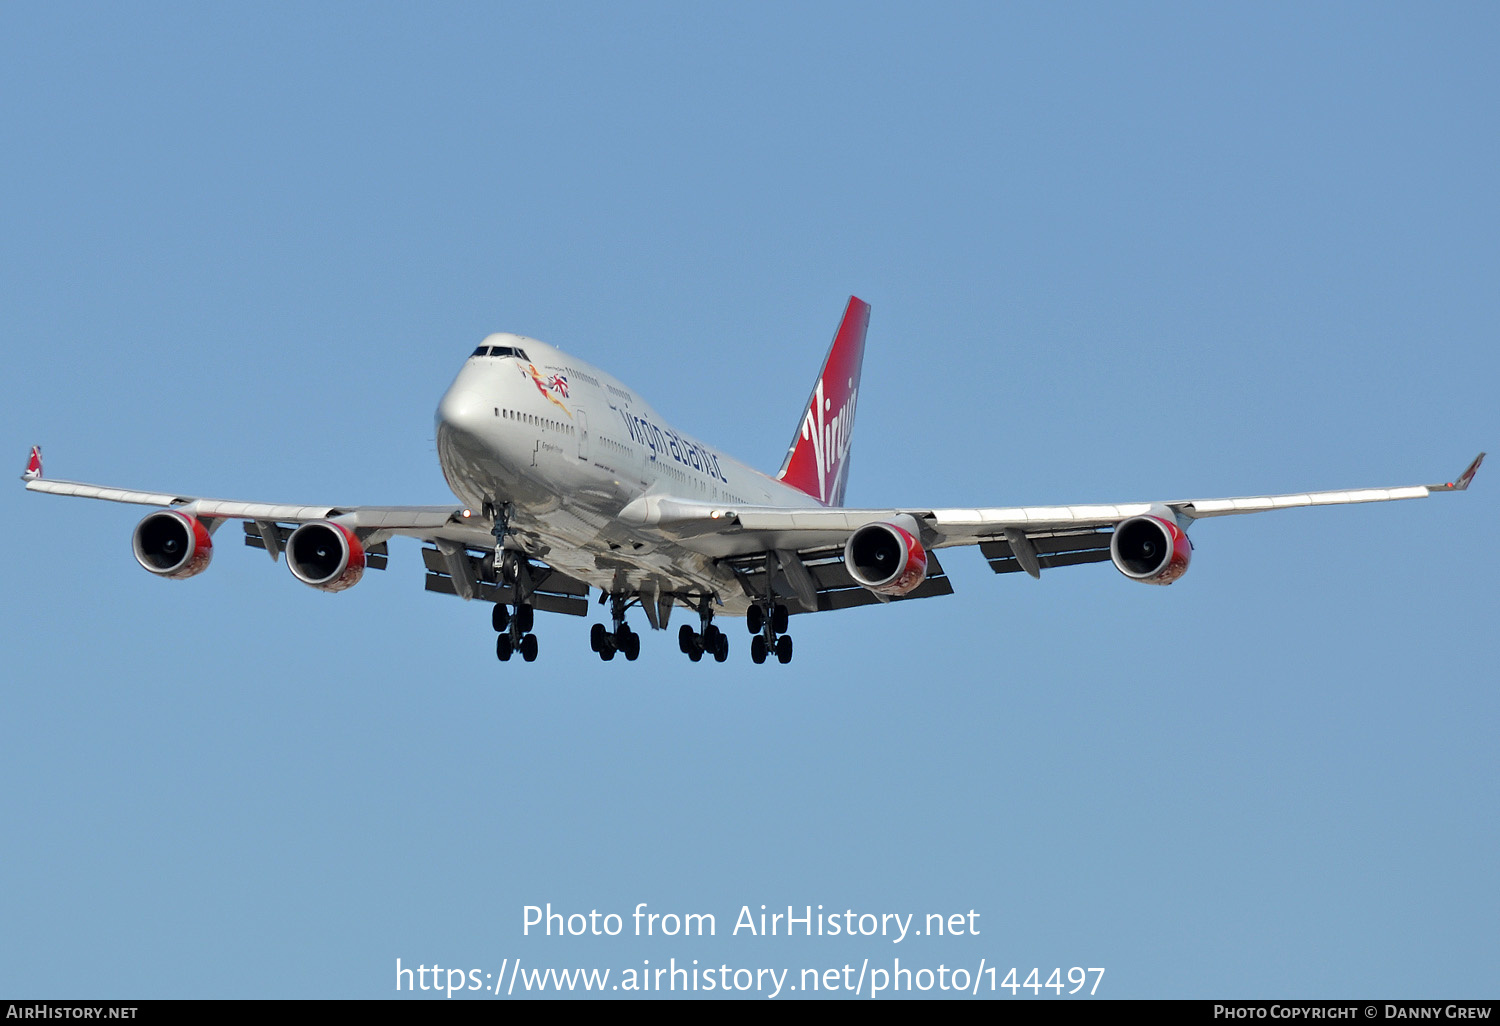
point(172, 544)
point(885, 558)
point(1150, 549)
point(325, 555)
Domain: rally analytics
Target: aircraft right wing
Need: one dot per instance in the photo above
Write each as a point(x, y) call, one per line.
point(460, 560)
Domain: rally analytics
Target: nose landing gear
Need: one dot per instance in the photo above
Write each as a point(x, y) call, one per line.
point(515, 632)
point(514, 629)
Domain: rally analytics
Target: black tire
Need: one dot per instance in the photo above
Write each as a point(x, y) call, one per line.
point(525, 618)
point(784, 650)
point(607, 653)
point(686, 640)
point(695, 653)
point(711, 636)
point(598, 637)
point(528, 648)
point(500, 618)
point(758, 649)
point(632, 646)
point(755, 619)
point(779, 619)
point(503, 648)
point(721, 650)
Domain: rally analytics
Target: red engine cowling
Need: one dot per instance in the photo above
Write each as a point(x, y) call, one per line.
point(325, 555)
point(885, 558)
point(1150, 549)
point(172, 544)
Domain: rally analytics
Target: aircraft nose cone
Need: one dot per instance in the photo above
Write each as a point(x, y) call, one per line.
point(462, 408)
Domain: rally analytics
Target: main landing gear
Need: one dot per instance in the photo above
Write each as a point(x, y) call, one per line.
point(770, 633)
point(515, 632)
point(709, 640)
point(622, 639)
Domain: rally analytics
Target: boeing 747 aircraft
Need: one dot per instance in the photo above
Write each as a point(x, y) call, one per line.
point(570, 481)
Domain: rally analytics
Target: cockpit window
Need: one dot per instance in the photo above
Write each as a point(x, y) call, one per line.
point(501, 351)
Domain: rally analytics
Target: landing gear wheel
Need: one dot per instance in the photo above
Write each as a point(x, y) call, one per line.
point(607, 653)
point(695, 653)
point(598, 637)
point(784, 650)
point(721, 647)
point(632, 646)
point(711, 636)
point(502, 648)
point(686, 640)
point(525, 618)
point(755, 619)
point(779, 618)
point(758, 649)
point(528, 648)
point(500, 618)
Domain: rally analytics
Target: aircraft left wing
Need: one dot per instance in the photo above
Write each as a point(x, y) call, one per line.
point(945, 527)
point(1014, 538)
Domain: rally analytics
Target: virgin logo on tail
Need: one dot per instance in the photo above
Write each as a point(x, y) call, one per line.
point(830, 438)
point(818, 461)
point(33, 465)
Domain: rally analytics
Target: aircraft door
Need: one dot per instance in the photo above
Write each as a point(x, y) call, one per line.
point(582, 420)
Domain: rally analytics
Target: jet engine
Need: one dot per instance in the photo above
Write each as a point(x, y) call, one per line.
point(885, 558)
point(325, 555)
point(172, 544)
point(1150, 549)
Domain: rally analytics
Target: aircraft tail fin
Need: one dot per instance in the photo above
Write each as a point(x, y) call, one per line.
point(33, 465)
point(817, 462)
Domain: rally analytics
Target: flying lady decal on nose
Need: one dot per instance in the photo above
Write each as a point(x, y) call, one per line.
point(548, 385)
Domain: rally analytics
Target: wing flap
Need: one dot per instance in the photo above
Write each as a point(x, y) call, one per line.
point(1071, 548)
point(549, 590)
point(377, 556)
point(835, 589)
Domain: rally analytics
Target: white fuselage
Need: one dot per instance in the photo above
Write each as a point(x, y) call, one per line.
point(569, 446)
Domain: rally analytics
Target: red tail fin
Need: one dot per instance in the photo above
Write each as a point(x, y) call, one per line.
point(818, 461)
point(33, 465)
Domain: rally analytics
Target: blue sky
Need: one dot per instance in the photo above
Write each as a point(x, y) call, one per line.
point(1161, 251)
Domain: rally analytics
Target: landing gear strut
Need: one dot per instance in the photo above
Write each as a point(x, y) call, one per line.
point(709, 639)
point(770, 633)
point(513, 628)
point(621, 638)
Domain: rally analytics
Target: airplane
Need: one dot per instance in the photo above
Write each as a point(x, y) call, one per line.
point(570, 481)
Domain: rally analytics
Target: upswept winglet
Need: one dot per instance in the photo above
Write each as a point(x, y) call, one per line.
point(33, 465)
point(1462, 481)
